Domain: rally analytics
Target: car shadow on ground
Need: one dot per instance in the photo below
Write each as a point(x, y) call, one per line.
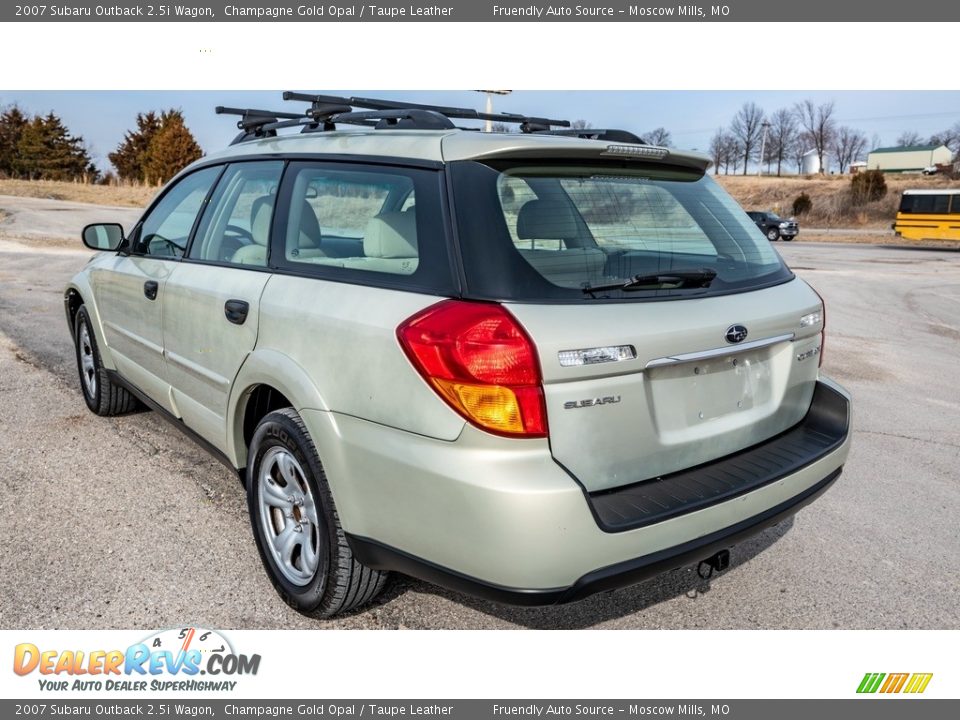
point(605, 606)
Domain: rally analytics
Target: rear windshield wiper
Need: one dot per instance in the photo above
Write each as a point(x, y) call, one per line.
point(681, 278)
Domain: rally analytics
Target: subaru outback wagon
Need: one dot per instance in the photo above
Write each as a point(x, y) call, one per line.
point(527, 366)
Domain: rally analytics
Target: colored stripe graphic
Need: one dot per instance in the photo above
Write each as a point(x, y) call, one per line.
point(918, 682)
point(894, 683)
point(870, 682)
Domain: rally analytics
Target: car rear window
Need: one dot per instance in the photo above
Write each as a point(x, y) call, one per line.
point(553, 231)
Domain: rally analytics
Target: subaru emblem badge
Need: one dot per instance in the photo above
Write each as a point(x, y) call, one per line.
point(736, 334)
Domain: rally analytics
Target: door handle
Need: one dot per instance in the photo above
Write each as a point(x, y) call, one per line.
point(150, 288)
point(236, 311)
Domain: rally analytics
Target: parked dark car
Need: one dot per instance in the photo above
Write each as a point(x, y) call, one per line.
point(774, 226)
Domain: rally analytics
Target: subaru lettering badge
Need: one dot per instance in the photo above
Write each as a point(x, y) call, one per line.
point(736, 334)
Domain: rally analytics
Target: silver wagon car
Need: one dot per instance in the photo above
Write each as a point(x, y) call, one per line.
point(527, 366)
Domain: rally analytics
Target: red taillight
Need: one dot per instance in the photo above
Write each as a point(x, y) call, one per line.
point(481, 361)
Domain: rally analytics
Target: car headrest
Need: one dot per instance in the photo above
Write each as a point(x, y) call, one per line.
point(546, 220)
point(261, 212)
point(391, 235)
point(310, 234)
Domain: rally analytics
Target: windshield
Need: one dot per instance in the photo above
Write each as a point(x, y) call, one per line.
point(551, 231)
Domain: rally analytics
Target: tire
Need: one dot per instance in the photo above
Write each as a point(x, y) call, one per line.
point(773, 234)
point(102, 395)
point(310, 564)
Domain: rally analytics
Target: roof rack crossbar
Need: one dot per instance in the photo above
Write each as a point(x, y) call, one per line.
point(327, 110)
point(450, 112)
point(415, 118)
point(254, 124)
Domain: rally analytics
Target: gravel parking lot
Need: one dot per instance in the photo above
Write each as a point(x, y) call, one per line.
point(123, 522)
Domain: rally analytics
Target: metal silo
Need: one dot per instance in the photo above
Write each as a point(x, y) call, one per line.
point(810, 164)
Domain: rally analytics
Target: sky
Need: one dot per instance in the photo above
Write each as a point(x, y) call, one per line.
point(102, 117)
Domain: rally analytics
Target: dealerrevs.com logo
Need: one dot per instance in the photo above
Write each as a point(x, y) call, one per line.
point(168, 660)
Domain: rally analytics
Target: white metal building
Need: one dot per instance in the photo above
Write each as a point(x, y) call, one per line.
point(912, 158)
point(810, 165)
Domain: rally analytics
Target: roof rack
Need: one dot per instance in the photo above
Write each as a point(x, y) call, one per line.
point(327, 110)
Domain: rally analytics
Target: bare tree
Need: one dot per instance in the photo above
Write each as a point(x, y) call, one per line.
point(717, 150)
point(732, 153)
point(875, 141)
point(797, 154)
point(784, 134)
point(847, 146)
point(658, 136)
point(908, 138)
point(949, 137)
point(499, 127)
point(580, 124)
point(747, 127)
point(818, 127)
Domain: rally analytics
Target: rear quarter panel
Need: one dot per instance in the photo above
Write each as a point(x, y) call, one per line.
point(343, 339)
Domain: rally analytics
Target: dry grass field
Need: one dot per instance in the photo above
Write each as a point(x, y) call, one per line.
point(119, 196)
point(830, 195)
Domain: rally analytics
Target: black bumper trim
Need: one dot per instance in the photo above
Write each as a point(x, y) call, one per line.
point(630, 572)
point(824, 428)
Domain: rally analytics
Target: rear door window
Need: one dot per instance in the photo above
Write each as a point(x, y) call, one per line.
point(372, 224)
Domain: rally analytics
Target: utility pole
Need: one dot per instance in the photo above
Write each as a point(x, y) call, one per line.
point(763, 146)
point(488, 127)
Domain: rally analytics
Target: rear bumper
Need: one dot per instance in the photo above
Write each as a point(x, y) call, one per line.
point(502, 520)
point(612, 577)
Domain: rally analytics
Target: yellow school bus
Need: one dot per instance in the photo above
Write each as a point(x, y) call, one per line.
point(929, 215)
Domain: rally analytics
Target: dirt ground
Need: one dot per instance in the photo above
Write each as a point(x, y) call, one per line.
point(832, 206)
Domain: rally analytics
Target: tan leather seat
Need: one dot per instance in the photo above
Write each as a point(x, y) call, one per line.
point(261, 212)
point(389, 245)
point(568, 265)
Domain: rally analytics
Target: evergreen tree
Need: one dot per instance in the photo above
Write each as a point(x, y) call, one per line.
point(130, 155)
point(47, 151)
point(12, 122)
point(171, 149)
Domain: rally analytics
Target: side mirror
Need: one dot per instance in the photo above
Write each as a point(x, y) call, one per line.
point(103, 236)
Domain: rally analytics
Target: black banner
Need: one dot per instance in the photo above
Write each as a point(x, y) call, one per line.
point(486, 11)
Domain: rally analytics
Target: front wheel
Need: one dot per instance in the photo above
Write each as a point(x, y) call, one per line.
point(296, 526)
point(102, 395)
point(773, 234)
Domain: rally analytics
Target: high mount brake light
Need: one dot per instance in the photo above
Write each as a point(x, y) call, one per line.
point(481, 361)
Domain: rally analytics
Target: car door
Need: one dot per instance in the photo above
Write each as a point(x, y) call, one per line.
point(129, 290)
point(211, 300)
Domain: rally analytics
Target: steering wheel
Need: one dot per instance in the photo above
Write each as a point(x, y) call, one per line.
point(175, 248)
point(238, 232)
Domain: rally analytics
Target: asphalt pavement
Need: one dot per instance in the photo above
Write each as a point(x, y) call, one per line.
point(125, 523)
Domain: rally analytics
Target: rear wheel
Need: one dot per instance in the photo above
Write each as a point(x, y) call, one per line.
point(773, 234)
point(102, 395)
point(296, 526)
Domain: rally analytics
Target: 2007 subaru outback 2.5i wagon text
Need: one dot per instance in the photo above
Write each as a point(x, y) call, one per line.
point(527, 366)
